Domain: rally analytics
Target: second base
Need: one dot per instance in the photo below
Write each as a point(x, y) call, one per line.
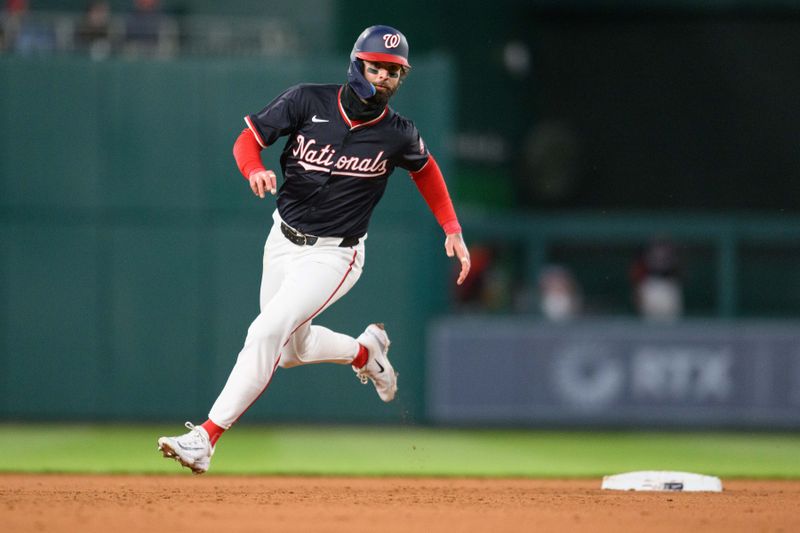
point(662, 481)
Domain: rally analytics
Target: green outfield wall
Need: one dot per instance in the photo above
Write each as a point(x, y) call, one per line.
point(131, 245)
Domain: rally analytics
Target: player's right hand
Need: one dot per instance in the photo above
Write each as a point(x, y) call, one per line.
point(262, 181)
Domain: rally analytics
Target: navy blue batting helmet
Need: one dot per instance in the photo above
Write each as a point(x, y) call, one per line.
point(379, 44)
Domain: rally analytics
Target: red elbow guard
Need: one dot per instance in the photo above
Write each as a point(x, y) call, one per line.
point(247, 153)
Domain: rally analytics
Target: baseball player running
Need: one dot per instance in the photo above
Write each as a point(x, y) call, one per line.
point(343, 143)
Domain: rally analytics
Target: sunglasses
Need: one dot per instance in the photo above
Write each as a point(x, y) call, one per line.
point(392, 70)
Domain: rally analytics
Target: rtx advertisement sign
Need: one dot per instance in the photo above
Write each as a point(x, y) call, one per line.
point(494, 370)
point(594, 375)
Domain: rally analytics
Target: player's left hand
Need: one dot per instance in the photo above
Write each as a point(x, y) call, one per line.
point(454, 245)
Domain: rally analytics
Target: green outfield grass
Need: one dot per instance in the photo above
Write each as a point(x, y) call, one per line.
point(403, 451)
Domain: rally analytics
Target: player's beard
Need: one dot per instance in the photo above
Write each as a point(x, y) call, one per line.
point(382, 98)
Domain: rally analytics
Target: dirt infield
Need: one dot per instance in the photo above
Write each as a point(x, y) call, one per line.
point(288, 504)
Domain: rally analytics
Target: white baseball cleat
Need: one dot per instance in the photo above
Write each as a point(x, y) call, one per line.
point(378, 368)
point(193, 450)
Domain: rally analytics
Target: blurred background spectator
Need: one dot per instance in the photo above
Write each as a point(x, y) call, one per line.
point(94, 31)
point(489, 287)
point(657, 284)
point(23, 33)
point(559, 294)
point(148, 32)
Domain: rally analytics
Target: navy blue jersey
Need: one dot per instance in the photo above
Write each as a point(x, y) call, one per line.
point(334, 172)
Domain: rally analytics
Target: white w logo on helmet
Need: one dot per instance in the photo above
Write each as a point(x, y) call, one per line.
point(391, 40)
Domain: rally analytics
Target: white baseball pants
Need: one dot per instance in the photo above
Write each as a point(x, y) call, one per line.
point(297, 284)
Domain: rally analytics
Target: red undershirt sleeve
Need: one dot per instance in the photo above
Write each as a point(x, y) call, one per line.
point(431, 185)
point(247, 153)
